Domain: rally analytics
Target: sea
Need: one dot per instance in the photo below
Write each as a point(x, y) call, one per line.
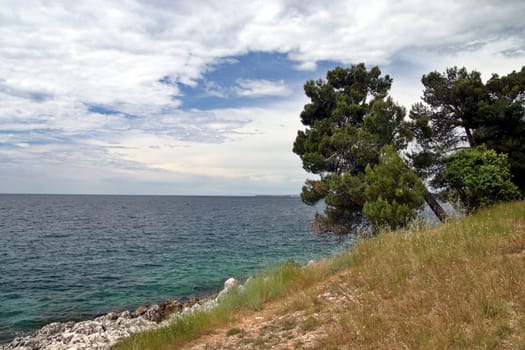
point(75, 257)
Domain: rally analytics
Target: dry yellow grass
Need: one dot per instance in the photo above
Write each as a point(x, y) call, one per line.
point(458, 286)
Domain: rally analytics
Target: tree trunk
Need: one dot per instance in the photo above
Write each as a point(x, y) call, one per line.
point(435, 206)
point(470, 139)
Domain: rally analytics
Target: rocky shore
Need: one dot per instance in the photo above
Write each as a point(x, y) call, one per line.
point(105, 331)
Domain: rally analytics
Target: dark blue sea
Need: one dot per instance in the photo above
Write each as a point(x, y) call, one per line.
point(72, 257)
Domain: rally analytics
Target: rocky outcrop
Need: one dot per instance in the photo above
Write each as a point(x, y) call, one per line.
point(168, 307)
point(105, 331)
point(100, 333)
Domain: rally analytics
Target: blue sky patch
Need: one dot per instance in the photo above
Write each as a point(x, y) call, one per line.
point(105, 110)
point(234, 82)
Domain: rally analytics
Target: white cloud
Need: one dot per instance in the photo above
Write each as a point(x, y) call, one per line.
point(59, 58)
point(491, 57)
point(264, 158)
point(261, 87)
point(260, 163)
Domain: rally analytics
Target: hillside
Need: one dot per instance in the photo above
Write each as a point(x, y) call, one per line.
point(459, 285)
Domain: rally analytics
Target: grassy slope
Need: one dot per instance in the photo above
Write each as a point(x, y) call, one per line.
point(458, 286)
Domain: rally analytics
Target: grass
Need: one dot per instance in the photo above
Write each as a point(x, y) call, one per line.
point(233, 331)
point(457, 286)
point(266, 286)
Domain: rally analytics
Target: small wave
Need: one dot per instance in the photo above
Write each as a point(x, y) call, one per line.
point(57, 235)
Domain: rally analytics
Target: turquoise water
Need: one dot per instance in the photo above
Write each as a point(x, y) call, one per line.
point(74, 257)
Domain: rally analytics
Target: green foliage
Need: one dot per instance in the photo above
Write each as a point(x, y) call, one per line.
point(454, 103)
point(456, 98)
point(393, 191)
point(459, 110)
point(313, 191)
point(503, 126)
point(343, 201)
point(348, 120)
point(479, 177)
point(386, 122)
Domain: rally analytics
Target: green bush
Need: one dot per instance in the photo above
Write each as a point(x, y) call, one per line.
point(393, 192)
point(479, 177)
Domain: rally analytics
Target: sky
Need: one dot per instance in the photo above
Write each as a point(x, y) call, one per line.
point(203, 97)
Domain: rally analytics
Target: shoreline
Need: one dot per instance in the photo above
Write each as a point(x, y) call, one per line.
point(80, 258)
point(106, 330)
point(402, 289)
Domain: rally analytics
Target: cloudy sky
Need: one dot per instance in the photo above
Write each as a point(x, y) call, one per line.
point(203, 97)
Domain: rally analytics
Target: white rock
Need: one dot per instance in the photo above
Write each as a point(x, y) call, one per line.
point(105, 331)
point(230, 282)
point(228, 285)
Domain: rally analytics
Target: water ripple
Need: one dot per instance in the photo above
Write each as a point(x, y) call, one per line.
point(70, 257)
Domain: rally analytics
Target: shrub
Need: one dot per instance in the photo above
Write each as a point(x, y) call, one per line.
point(479, 177)
point(393, 191)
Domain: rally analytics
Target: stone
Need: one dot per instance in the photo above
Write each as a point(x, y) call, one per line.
point(152, 314)
point(228, 285)
point(105, 331)
point(192, 301)
point(168, 307)
point(140, 310)
point(230, 282)
point(112, 316)
point(125, 314)
point(52, 328)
